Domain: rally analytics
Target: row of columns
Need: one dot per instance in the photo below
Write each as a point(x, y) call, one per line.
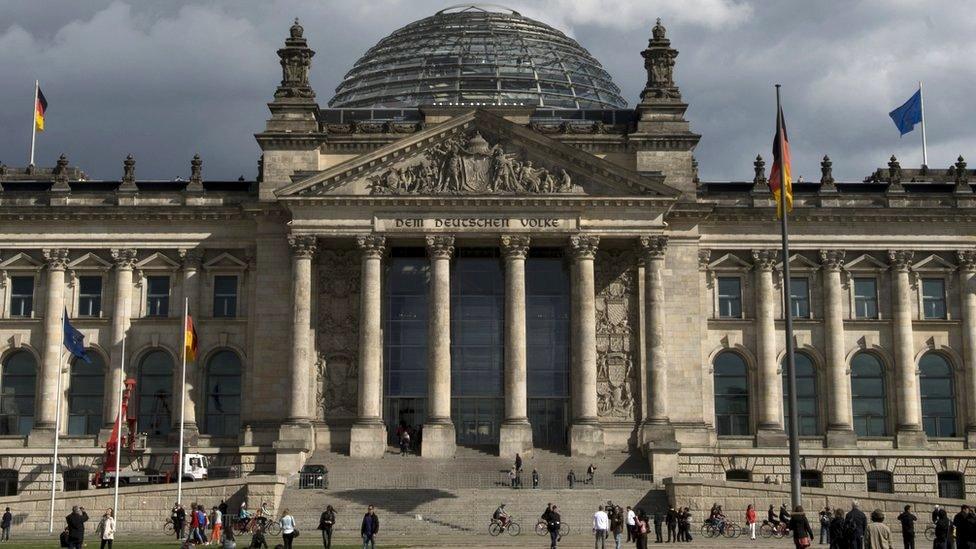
point(368, 436)
point(840, 429)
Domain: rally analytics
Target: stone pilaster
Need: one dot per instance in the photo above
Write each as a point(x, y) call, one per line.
point(908, 431)
point(296, 433)
point(191, 261)
point(124, 259)
point(367, 437)
point(516, 432)
point(52, 358)
point(967, 290)
point(840, 424)
point(439, 439)
point(586, 434)
point(770, 410)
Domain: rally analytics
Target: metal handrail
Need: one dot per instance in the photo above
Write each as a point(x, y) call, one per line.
point(481, 481)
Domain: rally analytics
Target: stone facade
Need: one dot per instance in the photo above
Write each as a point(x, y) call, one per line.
point(648, 249)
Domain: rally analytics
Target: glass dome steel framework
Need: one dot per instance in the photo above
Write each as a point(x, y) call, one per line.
point(478, 55)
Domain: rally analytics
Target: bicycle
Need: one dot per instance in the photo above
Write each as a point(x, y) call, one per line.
point(542, 528)
point(727, 529)
point(767, 530)
point(495, 528)
point(169, 528)
point(930, 532)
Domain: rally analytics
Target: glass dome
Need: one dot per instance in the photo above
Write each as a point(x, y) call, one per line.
point(478, 55)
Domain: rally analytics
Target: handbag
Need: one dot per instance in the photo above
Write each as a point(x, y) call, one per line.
point(295, 533)
point(804, 541)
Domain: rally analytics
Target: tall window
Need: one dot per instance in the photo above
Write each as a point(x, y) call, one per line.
point(865, 298)
point(807, 408)
point(933, 298)
point(951, 485)
point(85, 395)
point(8, 482)
point(90, 296)
point(800, 297)
point(223, 408)
point(405, 338)
point(225, 296)
point(868, 396)
point(731, 395)
point(155, 392)
point(547, 349)
point(18, 380)
point(21, 295)
point(938, 396)
point(881, 482)
point(729, 297)
point(157, 296)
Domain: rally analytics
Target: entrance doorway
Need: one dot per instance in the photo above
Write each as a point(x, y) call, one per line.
point(477, 420)
point(549, 418)
point(412, 411)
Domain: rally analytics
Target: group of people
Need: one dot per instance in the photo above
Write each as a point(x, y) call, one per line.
point(959, 532)
point(572, 479)
point(192, 525)
point(408, 438)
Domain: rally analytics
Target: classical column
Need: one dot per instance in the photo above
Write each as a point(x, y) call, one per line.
point(653, 248)
point(367, 437)
point(967, 290)
point(840, 426)
point(516, 433)
point(909, 429)
point(439, 438)
point(586, 434)
point(51, 358)
point(124, 259)
point(770, 419)
point(191, 262)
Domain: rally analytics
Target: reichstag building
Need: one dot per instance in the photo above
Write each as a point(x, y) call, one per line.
point(478, 236)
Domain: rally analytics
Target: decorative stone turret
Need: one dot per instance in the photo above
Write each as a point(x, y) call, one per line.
point(61, 175)
point(296, 59)
point(961, 176)
point(827, 175)
point(759, 182)
point(894, 176)
point(128, 174)
point(196, 175)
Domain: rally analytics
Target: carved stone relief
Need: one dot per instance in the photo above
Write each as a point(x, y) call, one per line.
point(616, 337)
point(337, 370)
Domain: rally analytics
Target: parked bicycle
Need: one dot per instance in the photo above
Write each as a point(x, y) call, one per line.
point(169, 528)
point(495, 528)
point(542, 529)
point(769, 530)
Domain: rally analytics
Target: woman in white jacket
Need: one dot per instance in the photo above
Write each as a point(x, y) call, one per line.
point(106, 528)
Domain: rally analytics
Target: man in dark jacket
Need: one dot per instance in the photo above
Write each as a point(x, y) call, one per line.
point(369, 528)
point(553, 523)
point(671, 520)
point(907, 520)
point(5, 525)
point(859, 524)
point(76, 527)
point(965, 526)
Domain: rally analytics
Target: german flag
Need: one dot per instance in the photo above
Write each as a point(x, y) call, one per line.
point(40, 108)
point(190, 339)
point(781, 164)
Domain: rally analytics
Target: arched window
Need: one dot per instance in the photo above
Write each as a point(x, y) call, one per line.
point(8, 482)
point(807, 408)
point(85, 395)
point(75, 479)
point(18, 381)
point(731, 395)
point(951, 485)
point(938, 396)
point(881, 482)
point(155, 388)
point(868, 396)
point(223, 408)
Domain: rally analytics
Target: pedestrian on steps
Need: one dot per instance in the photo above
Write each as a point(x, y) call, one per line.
point(642, 528)
point(326, 522)
point(535, 479)
point(657, 528)
point(289, 530)
point(553, 522)
point(369, 528)
point(601, 525)
point(571, 478)
point(630, 522)
point(512, 476)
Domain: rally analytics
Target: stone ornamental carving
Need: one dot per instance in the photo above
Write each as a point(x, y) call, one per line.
point(515, 246)
point(372, 245)
point(124, 258)
point(654, 247)
point(337, 334)
point(296, 59)
point(616, 320)
point(827, 174)
point(302, 246)
point(469, 165)
point(583, 246)
point(190, 259)
point(765, 260)
point(659, 60)
point(128, 174)
point(196, 174)
point(832, 260)
point(56, 258)
point(440, 247)
point(900, 260)
point(966, 260)
point(759, 169)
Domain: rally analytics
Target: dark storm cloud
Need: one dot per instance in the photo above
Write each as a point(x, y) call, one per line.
point(163, 80)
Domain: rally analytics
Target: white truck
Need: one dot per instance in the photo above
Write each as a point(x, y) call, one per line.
point(194, 468)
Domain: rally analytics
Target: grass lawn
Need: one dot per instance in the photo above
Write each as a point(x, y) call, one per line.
point(93, 544)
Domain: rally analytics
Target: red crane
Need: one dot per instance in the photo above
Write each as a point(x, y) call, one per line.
point(108, 461)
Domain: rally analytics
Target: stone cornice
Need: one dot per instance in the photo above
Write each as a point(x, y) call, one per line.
point(845, 216)
point(482, 201)
point(139, 213)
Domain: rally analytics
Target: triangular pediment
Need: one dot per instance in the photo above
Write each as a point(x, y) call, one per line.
point(225, 261)
point(799, 262)
point(729, 262)
point(478, 154)
point(20, 260)
point(158, 260)
point(865, 262)
point(933, 262)
point(90, 261)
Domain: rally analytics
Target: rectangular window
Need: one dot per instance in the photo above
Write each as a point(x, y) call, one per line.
point(800, 297)
point(21, 295)
point(865, 298)
point(729, 297)
point(157, 296)
point(811, 479)
point(933, 298)
point(225, 296)
point(90, 296)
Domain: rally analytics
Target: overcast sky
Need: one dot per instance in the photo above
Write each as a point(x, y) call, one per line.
point(164, 80)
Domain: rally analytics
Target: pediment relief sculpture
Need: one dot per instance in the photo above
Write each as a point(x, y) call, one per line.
point(469, 165)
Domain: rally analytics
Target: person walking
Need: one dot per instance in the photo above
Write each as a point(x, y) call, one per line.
point(511, 477)
point(178, 514)
point(216, 525)
point(289, 531)
point(617, 526)
point(751, 521)
point(689, 519)
point(642, 529)
point(878, 534)
point(518, 463)
point(800, 526)
point(571, 477)
point(857, 525)
point(106, 529)
point(943, 529)
point(553, 522)
point(907, 520)
point(76, 527)
point(5, 523)
point(326, 523)
point(535, 479)
point(825, 516)
point(657, 528)
point(201, 524)
point(369, 528)
point(671, 521)
point(601, 525)
point(590, 471)
point(630, 521)
point(837, 539)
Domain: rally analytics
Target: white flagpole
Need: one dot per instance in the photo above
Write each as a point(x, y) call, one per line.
point(179, 465)
point(57, 430)
point(37, 86)
point(118, 441)
point(921, 106)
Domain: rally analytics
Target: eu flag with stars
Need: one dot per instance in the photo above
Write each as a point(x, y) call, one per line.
point(74, 341)
point(909, 114)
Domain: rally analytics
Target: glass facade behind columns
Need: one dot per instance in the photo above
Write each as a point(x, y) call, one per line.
point(547, 348)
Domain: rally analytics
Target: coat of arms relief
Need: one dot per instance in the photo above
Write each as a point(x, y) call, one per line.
point(469, 165)
point(616, 325)
point(337, 334)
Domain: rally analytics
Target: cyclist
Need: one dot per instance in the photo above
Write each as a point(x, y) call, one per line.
point(784, 517)
point(771, 517)
point(501, 516)
point(718, 518)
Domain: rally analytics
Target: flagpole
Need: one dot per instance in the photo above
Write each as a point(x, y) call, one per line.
point(57, 429)
point(794, 438)
point(921, 106)
point(179, 465)
point(118, 439)
point(37, 86)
